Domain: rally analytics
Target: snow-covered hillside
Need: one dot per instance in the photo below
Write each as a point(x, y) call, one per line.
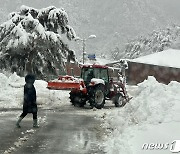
point(148, 124)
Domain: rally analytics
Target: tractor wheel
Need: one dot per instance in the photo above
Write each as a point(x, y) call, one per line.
point(119, 100)
point(97, 97)
point(77, 100)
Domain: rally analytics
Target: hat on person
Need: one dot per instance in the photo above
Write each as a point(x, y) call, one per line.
point(30, 78)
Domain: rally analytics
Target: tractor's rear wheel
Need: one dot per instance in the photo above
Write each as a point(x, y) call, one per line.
point(119, 100)
point(77, 99)
point(97, 97)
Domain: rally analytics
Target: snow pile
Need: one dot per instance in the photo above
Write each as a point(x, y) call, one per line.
point(11, 91)
point(155, 104)
point(3, 80)
point(12, 88)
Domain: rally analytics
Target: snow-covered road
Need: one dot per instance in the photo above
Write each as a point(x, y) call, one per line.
point(149, 123)
point(66, 130)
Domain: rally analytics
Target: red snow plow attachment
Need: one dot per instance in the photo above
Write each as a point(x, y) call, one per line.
point(66, 83)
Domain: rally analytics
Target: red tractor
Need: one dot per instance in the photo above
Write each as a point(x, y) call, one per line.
point(94, 86)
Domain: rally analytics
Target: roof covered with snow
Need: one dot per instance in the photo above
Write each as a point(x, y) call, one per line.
point(169, 58)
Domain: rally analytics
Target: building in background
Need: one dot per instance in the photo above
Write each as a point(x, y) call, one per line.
point(164, 66)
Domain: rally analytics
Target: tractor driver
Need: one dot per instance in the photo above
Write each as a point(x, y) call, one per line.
point(90, 75)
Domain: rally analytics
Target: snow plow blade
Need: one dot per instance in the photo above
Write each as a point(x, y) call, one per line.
point(62, 86)
point(64, 83)
point(128, 99)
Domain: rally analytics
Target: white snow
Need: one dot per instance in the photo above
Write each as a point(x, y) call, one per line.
point(52, 36)
point(45, 10)
point(20, 31)
point(24, 7)
point(151, 117)
point(67, 79)
point(71, 31)
point(53, 14)
point(169, 58)
point(98, 61)
point(97, 81)
point(11, 93)
point(149, 122)
point(103, 61)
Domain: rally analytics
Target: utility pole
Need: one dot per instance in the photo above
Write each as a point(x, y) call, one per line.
point(84, 45)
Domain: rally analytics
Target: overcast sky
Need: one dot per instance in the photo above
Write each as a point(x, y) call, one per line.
point(169, 6)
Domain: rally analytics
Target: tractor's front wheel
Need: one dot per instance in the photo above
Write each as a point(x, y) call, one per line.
point(97, 97)
point(77, 99)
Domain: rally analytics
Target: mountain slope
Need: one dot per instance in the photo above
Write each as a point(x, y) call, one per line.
point(156, 41)
point(115, 22)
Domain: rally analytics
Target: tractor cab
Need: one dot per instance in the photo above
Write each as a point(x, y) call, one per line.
point(96, 74)
point(89, 72)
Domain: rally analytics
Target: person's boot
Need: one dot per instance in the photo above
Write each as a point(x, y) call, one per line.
point(35, 123)
point(18, 122)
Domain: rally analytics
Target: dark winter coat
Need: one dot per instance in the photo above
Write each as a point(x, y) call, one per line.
point(90, 76)
point(29, 105)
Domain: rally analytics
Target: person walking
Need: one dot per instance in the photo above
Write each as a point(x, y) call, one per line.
point(29, 104)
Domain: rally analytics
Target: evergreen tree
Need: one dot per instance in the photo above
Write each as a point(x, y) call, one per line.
point(31, 41)
point(157, 41)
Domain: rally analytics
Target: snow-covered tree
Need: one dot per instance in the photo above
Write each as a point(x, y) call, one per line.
point(157, 41)
point(31, 41)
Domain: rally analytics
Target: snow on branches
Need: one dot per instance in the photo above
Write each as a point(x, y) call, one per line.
point(156, 41)
point(30, 24)
point(36, 32)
